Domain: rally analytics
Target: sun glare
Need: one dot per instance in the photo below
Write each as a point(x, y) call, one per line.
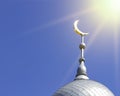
point(107, 9)
point(115, 6)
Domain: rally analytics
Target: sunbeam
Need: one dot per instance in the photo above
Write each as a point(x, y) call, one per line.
point(116, 55)
point(106, 10)
point(95, 34)
point(58, 21)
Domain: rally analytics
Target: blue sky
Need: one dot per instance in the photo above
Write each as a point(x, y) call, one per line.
point(40, 51)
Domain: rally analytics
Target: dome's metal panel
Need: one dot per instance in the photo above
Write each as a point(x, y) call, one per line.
point(84, 88)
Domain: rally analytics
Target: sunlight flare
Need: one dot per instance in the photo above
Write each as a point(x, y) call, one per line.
point(107, 10)
point(96, 33)
point(116, 54)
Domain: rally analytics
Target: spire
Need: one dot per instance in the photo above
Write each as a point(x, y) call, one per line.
point(82, 70)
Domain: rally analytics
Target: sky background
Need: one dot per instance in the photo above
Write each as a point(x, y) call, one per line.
point(39, 50)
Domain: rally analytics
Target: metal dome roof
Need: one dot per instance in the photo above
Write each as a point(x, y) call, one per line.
point(84, 88)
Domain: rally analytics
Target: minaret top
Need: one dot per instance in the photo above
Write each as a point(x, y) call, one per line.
point(82, 71)
point(82, 86)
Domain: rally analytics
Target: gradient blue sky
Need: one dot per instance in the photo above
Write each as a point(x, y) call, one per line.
point(39, 51)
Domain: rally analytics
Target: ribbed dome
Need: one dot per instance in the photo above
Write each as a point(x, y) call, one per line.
point(84, 88)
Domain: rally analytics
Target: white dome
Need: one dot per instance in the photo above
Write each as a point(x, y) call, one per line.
point(84, 88)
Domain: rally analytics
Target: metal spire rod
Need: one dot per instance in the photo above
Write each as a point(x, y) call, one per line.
point(82, 71)
point(82, 46)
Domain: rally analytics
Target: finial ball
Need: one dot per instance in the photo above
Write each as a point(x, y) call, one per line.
point(82, 46)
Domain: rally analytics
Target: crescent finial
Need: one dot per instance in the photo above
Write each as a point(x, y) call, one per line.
point(77, 30)
point(82, 70)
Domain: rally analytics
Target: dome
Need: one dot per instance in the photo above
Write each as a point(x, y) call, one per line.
point(84, 88)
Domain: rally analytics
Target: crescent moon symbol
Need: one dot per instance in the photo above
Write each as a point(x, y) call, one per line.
point(77, 30)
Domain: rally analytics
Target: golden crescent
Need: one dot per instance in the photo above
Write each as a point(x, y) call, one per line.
point(77, 30)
